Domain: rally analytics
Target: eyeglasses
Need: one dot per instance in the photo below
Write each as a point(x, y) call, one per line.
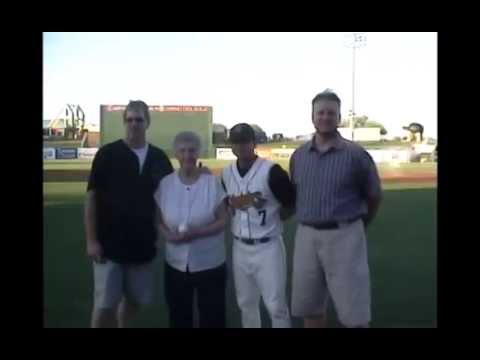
point(136, 119)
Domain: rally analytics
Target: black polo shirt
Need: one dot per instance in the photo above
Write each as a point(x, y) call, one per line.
point(125, 205)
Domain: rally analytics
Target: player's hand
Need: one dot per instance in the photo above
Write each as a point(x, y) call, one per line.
point(95, 251)
point(241, 202)
point(258, 200)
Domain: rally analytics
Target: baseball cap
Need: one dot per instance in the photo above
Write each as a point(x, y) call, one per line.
point(242, 133)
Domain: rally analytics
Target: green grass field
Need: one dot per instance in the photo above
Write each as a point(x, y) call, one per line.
point(402, 249)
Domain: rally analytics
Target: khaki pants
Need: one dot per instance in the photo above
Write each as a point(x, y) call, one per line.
point(332, 263)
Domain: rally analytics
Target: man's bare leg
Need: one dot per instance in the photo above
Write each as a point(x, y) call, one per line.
point(126, 312)
point(315, 322)
point(104, 318)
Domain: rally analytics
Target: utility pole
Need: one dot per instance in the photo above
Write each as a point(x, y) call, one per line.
point(357, 40)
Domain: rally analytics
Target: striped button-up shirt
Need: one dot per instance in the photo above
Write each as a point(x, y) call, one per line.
point(333, 185)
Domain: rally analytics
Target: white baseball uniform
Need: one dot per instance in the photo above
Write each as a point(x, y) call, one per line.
point(259, 269)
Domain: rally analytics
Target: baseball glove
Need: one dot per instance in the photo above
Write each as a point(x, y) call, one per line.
point(244, 201)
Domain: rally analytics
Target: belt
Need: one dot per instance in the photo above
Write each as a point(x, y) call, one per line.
point(330, 225)
point(253, 241)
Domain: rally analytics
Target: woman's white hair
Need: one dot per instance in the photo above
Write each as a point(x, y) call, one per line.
point(187, 137)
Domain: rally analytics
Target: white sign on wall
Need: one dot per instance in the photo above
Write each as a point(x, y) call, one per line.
point(390, 156)
point(282, 153)
point(87, 153)
point(367, 134)
point(377, 155)
point(346, 133)
point(225, 154)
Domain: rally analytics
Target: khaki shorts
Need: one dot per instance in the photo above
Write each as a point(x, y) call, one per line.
point(332, 263)
point(114, 281)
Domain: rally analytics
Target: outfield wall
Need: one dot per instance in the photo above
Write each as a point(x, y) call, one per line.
point(69, 153)
point(378, 155)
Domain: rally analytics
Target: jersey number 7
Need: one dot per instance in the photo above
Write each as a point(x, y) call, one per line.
point(264, 214)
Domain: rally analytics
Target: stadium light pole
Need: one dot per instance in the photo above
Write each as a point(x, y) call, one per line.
point(357, 40)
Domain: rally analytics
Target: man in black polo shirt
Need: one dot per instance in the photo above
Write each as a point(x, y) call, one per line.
point(119, 220)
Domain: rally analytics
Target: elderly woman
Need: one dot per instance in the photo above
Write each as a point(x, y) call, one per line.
point(191, 217)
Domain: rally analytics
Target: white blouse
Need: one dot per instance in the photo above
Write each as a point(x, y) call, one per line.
point(192, 206)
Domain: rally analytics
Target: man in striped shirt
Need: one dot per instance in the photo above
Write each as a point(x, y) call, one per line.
point(338, 193)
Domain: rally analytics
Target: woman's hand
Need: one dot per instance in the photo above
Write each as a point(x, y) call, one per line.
point(174, 236)
point(181, 237)
point(190, 235)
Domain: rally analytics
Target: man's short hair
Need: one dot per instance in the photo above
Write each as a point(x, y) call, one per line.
point(327, 94)
point(138, 106)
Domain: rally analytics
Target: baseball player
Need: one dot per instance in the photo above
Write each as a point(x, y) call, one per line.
point(260, 196)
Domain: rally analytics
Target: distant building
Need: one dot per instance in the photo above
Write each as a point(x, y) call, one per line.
point(361, 134)
point(307, 137)
point(260, 135)
point(277, 137)
point(220, 134)
point(54, 128)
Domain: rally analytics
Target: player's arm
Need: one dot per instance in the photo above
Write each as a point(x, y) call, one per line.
point(283, 190)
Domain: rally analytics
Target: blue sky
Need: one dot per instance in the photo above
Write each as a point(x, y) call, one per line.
point(264, 78)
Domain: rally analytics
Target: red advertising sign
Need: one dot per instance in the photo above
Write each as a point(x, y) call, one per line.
point(165, 108)
point(180, 108)
point(116, 107)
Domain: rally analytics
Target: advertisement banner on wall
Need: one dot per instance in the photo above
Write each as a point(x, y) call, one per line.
point(390, 156)
point(66, 153)
point(87, 153)
point(264, 153)
point(377, 155)
point(48, 153)
point(282, 153)
point(225, 154)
